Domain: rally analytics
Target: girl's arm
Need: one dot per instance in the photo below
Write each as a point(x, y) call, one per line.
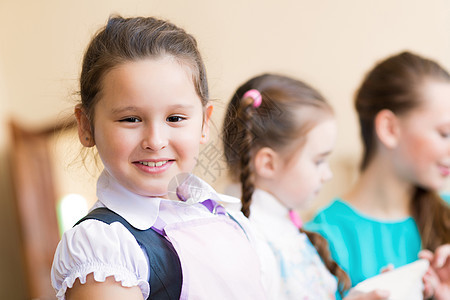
point(110, 289)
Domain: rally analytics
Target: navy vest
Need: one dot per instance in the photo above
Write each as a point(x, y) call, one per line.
point(165, 268)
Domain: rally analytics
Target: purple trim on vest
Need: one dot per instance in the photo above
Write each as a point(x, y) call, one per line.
point(214, 207)
point(210, 204)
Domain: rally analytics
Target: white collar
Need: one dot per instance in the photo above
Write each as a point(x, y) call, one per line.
point(267, 211)
point(265, 200)
point(142, 212)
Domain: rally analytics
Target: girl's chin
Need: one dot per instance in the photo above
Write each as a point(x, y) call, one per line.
point(305, 203)
point(434, 186)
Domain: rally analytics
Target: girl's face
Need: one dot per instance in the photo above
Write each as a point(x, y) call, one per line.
point(300, 178)
point(149, 124)
point(423, 153)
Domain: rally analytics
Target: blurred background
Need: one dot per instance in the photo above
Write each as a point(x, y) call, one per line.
point(45, 186)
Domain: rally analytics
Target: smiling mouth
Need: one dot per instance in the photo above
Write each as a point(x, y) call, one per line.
point(154, 163)
point(445, 170)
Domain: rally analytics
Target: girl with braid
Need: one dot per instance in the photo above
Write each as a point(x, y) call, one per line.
point(393, 211)
point(277, 135)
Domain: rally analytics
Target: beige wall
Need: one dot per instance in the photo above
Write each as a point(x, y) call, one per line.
point(328, 43)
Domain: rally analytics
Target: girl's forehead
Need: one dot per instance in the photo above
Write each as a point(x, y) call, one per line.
point(436, 88)
point(320, 139)
point(150, 75)
point(323, 134)
point(435, 96)
point(434, 106)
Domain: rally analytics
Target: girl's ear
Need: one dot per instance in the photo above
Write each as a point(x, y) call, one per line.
point(265, 163)
point(84, 127)
point(387, 128)
point(205, 127)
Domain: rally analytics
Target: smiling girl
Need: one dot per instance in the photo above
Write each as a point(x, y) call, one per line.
point(144, 106)
point(394, 211)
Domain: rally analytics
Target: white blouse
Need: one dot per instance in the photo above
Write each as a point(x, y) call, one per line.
point(111, 250)
point(301, 272)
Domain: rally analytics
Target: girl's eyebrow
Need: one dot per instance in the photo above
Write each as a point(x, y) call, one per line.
point(326, 153)
point(181, 106)
point(119, 110)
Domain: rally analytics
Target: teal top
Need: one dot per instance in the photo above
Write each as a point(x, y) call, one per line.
point(362, 245)
point(446, 197)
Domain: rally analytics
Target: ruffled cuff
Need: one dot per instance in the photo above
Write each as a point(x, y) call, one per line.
point(103, 250)
point(120, 273)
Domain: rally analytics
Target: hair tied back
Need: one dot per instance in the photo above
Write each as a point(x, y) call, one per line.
point(255, 95)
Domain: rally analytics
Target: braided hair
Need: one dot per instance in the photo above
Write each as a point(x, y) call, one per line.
point(281, 123)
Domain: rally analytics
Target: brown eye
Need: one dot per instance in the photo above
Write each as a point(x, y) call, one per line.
point(131, 120)
point(320, 161)
point(175, 119)
point(444, 134)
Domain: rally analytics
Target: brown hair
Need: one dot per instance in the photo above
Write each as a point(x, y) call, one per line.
point(131, 39)
point(395, 84)
point(289, 109)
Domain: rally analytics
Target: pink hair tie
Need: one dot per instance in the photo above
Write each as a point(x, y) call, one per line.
point(255, 95)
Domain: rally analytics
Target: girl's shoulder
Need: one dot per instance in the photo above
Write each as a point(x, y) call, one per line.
point(104, 250)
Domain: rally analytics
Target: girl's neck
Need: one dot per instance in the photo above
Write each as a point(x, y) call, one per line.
point(380, 193)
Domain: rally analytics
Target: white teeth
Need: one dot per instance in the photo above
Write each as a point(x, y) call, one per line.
point(160, 163)
point(154, 164)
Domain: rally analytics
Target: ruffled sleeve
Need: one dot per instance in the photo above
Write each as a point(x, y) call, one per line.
point(102, 249)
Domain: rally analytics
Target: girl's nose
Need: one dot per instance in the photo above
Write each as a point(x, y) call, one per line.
point(154, 138)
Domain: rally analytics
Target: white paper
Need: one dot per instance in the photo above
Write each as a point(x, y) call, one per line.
point(403, 283)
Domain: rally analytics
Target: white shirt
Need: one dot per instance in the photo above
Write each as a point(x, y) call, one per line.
point(301, 272)
point(111, 250)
